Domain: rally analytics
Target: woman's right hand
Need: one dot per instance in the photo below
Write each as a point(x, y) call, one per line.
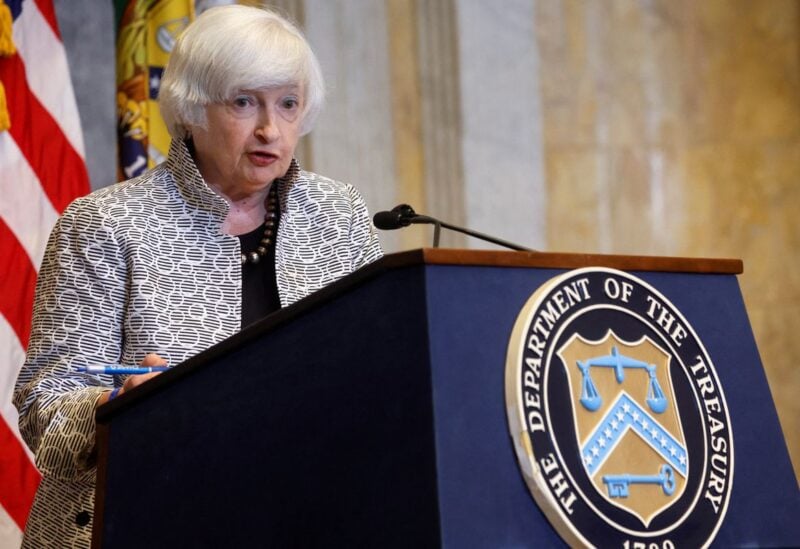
point(151, 359)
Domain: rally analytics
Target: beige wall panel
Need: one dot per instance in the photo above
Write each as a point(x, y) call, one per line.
point(407, 115)
point(437, 32)
point(611, 97)
point(673, 127)
point(504, 191)
point(353, 138)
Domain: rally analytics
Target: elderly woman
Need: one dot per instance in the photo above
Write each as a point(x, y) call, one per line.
point(158, 268)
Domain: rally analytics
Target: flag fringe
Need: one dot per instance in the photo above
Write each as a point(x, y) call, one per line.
point(6, 49)
point(6, 31)
point(5, 119)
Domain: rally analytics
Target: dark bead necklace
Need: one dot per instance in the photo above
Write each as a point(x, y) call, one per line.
point(270, 227)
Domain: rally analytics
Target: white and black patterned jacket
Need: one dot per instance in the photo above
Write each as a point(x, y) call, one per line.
point(142, 266)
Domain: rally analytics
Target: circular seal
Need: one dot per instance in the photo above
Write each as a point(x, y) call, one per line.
point(619, 420)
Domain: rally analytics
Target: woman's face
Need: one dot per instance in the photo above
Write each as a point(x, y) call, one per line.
point(249, 141)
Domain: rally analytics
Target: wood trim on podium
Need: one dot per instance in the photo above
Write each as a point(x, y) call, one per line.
point(440, 256)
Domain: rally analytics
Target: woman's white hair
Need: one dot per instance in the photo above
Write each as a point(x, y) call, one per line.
point(231, 48)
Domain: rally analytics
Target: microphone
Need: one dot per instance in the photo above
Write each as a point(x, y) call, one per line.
point(404, 215)
point(398, 217)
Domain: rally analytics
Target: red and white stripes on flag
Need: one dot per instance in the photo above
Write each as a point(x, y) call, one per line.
point(42, 169)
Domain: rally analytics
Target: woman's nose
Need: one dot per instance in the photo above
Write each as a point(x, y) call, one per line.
point(267, 129)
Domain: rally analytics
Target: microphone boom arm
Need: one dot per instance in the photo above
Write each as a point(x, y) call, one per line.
point(424, 219)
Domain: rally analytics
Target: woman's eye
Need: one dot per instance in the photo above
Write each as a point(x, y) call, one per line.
point(241, 101)
point(290, 103)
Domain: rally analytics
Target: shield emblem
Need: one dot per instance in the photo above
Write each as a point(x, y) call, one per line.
point(627, 423)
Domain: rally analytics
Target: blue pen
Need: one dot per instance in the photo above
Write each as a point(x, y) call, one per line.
point(120, 369)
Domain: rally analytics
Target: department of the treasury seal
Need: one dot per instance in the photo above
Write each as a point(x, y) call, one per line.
point(618, 418)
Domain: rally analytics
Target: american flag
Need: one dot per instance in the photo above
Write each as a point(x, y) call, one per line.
point(42, 169)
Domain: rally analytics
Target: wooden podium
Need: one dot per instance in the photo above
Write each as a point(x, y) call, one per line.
point(373, 414)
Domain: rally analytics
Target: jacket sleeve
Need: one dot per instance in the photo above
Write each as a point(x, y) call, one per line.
point(366, 247)
point(77, 321)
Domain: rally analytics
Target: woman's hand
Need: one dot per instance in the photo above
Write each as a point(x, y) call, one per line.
point(151, 359)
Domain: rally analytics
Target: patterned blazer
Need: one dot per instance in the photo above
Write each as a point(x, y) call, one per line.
point(142, 266)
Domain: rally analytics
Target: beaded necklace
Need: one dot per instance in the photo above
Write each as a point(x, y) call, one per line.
point(270, 224)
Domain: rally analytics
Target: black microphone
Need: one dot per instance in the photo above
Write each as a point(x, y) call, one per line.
point(398, 217)
point(404, 215)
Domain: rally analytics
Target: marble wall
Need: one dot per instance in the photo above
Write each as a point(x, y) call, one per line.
point(653, 127)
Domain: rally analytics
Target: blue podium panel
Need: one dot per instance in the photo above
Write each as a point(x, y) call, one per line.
point(316, 433)
point(374, 414)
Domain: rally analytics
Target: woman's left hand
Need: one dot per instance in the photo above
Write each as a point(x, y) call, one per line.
point(151, 359)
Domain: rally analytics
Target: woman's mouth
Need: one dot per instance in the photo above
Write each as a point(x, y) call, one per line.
point(262, 158)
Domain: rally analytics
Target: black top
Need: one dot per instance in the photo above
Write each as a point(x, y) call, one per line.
point(259, 287)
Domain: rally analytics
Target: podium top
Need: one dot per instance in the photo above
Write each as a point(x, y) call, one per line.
point(442, 256)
